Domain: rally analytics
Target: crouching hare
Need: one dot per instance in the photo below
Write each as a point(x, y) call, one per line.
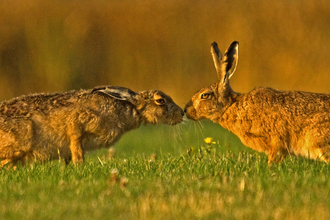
point(275, 122)
point(43, 127)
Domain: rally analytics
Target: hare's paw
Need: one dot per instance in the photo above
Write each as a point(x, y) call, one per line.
point(77, 157)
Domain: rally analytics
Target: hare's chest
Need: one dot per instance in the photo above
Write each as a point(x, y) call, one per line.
point(104, 139)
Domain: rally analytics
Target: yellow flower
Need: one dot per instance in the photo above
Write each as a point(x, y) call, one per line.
point(209, 140)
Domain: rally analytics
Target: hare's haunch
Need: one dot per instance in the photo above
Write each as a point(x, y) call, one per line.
point(275, 122)
point(43, 127)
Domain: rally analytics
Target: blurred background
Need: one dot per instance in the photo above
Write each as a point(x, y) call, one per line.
point(60, 45)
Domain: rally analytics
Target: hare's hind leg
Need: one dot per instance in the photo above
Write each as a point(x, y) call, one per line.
point(13, 158)
point(7, 161)
point(315, 143)
point(315, 152)
point(323, 154)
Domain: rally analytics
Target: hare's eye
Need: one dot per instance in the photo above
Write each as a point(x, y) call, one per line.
point(205, 96)
point(160, 101)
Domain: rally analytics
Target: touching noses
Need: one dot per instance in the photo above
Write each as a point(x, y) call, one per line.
point(187, 106)
point(177, 108)
point(181, 111)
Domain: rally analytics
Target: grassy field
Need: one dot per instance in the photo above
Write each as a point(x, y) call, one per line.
point(220, 180)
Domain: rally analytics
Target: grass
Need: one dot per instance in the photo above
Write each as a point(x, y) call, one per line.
point(214, 182)
point(175, 140)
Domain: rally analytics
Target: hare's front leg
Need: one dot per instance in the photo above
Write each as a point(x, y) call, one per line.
point(276, 156)
point(13, 157)
point(76, 145)
point(272, 156)
point(76, 150)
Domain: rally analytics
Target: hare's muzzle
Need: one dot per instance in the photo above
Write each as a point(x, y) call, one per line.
point(190, 111)
point(178, 116)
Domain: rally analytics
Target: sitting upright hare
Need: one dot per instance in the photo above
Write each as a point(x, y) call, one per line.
point(275, 122)
point(45, 127)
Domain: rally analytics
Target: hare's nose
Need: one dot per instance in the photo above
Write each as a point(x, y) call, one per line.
point(185, 109)
point(187, 106)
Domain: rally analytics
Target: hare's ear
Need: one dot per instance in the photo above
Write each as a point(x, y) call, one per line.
point(216, 55)
point(226, 64)
point(117, 92)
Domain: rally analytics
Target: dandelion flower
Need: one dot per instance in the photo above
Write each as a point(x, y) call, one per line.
point(209, 140)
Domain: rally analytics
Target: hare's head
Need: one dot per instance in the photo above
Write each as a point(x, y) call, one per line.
point(158, 108)
point(155, 107)
point(209, 101)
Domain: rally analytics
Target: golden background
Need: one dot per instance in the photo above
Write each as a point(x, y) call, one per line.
point(48, 46)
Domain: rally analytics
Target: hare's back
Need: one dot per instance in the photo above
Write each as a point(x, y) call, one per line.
point(295, 102)
point(267, 109)
point(43, 102)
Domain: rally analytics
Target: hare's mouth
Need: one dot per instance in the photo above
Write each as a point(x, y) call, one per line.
point(191, 116)
point(176, 121)
point(191, 113)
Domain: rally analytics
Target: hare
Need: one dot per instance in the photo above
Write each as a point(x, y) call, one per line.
point(42, 127)
point(275, 122)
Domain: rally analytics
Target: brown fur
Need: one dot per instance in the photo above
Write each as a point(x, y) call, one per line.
point(43, 127)
point(275, 122)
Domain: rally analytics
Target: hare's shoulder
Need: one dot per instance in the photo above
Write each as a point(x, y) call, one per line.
point(41, 102)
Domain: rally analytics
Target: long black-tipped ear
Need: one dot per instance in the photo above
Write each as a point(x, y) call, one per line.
point(216, 55)
point(225, 64)
point(117, 92)
point(229, 62)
